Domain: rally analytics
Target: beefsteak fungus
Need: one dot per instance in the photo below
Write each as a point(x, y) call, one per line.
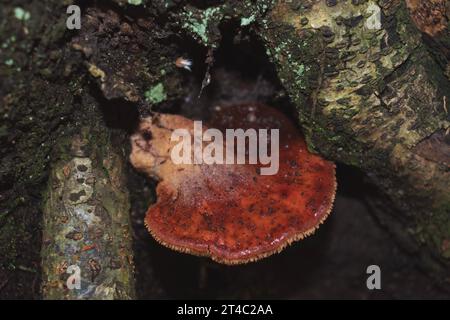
point(230, 212)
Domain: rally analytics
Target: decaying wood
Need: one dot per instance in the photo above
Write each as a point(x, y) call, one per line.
point(87, 226)
point(370, 94)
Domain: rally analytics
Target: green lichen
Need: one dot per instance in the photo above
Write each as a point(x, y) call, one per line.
point(201, 24)
point(246, 21)
point(156, 94)
point(300, 71)
point(135, 2)
point(292, 57)
point(21, 14)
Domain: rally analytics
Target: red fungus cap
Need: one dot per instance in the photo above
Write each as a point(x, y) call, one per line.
point(231, 213)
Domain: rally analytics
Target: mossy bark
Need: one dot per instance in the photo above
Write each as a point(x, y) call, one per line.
point(370, 94)
point(47, 99)
point(36, 104)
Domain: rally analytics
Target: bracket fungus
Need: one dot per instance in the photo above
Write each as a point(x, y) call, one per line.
point(230, 212)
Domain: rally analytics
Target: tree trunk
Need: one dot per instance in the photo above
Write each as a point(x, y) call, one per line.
point(370, 94)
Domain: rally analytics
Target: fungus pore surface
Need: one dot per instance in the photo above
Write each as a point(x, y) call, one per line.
point(230, 212)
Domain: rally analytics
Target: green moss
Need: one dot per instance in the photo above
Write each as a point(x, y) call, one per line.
point(156, 94)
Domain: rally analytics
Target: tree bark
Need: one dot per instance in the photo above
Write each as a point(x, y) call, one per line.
point(87, 225)
point(370, 94)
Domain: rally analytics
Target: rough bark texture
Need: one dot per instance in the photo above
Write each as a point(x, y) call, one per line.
point(87, 225)
point(47, 98)
point(37, 101)
point(370, 94)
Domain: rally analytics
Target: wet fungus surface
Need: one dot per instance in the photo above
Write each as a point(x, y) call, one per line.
point(230, 212)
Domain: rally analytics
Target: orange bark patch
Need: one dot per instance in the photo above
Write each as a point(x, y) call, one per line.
point(429, 15)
